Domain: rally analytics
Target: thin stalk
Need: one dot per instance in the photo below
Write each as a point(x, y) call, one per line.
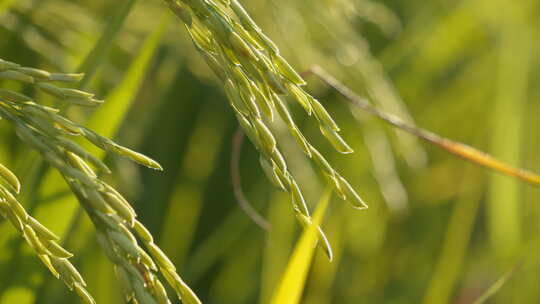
point(493, 289)
point(461, 150)
point(236, 180)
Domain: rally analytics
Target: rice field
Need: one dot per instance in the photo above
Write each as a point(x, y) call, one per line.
point(280, 152)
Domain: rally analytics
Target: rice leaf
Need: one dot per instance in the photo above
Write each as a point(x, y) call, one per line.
point(293, 281)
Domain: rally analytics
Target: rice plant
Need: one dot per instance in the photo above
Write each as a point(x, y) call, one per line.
point(256, 78)
point(117, 228)
point(184, 81)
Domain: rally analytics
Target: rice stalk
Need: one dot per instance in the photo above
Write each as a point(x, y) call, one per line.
point(256, 79)
point(461, 150)
point(118, 231)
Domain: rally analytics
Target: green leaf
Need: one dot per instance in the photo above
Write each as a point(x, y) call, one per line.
point(292, 284)
point(107, 118)
point(101, 48)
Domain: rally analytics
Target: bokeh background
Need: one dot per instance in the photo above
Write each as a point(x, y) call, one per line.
point(438, 230)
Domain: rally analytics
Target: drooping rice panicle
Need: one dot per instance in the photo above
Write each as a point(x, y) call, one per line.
point(42, 240)
point(257, 79)
point(118, 231)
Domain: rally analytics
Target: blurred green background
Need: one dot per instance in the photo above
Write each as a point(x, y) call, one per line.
point(438, 230)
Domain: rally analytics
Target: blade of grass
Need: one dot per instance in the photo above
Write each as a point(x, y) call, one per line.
point(107, 118)
point(293, 281)
point(504, 210)
point(96, 56)
point(279, 245)
point(321, 289)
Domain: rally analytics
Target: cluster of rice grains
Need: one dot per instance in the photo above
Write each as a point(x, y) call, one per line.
point(41, 239)
point(118, 231)
point(256, 78)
